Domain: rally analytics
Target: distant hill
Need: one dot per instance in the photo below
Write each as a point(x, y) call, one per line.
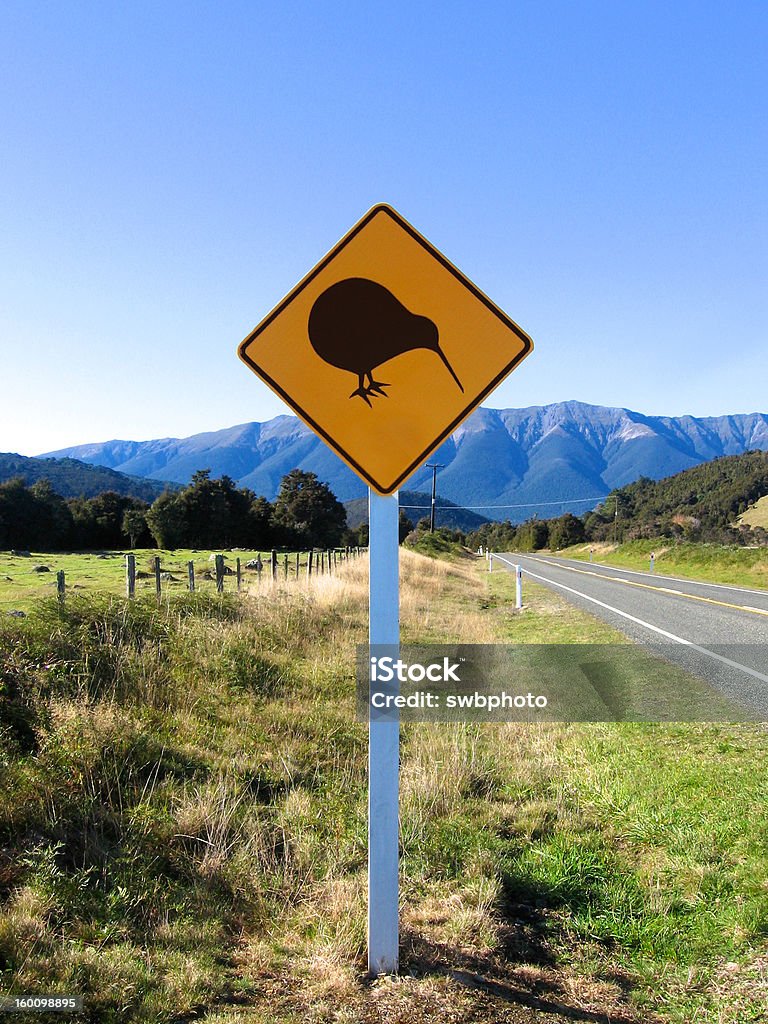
point(505, 463)
point(73, 479)
point(447, 514)
point(713, 495)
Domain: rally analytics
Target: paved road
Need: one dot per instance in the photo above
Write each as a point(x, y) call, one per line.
point(716, 631)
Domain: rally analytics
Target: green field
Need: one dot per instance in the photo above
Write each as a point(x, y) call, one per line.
point(716, 563)
point(21, 587)
point(183, 803)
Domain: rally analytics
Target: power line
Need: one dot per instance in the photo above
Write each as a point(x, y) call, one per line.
point(530, 504)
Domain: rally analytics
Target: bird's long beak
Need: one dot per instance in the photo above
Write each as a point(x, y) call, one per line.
point(450, 368)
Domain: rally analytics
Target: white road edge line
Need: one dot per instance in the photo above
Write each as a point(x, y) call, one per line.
point(567, 565)
point(653, 575)
point(646, 625)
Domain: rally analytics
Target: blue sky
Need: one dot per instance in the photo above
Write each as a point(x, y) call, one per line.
point(169, 171)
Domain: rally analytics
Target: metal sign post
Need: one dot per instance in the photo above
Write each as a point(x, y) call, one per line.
point(383, 744)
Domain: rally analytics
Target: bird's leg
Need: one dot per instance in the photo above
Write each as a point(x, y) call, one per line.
point(361, 389)
point(376, 385)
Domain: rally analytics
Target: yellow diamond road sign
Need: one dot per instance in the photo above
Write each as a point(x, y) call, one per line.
point(384, 348)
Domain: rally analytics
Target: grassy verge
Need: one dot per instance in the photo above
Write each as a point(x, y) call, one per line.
point(183, 824)
point(716, 563)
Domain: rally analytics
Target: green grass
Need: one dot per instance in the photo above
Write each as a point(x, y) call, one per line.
point(716, 563)
point(104, 573)
point(679, 822)
point(435, 545)
point(183, 807)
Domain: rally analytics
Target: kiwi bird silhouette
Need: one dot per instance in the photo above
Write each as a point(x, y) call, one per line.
point(357, 325)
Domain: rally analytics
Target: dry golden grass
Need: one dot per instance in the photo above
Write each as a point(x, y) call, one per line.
point(429, 605)
point(756, 515)
point(23, 927)
point(441, 600)
point(597, 547)
point(442, 765)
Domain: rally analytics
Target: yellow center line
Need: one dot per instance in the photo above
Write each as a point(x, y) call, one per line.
point(665, 590)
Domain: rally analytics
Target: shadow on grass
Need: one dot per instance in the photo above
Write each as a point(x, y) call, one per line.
point(498, 975)
point(526, 969)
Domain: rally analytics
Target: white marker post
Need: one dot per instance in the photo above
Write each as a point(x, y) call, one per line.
point(383, 744)
point(518, 586)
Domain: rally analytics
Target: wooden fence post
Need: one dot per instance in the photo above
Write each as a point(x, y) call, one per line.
point(239, 575)
point(60, 585)
point(298, 564)
point(130, 575)
point(310, 555)
point(219, 563)
point(285, 565)
point(191, 576)
point(274, 564)
point(157, 578)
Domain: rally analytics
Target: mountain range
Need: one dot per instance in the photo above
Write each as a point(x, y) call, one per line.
point(504, 463)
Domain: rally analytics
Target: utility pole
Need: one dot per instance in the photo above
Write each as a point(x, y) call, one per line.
point(616, 522)
point(434, 466)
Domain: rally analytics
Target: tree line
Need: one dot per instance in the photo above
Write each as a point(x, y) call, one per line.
point(532, 535)
point(698, 504)
point(207, 513)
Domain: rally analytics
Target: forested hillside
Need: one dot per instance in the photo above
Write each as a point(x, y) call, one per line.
point(700, 504)
point(74, 479)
